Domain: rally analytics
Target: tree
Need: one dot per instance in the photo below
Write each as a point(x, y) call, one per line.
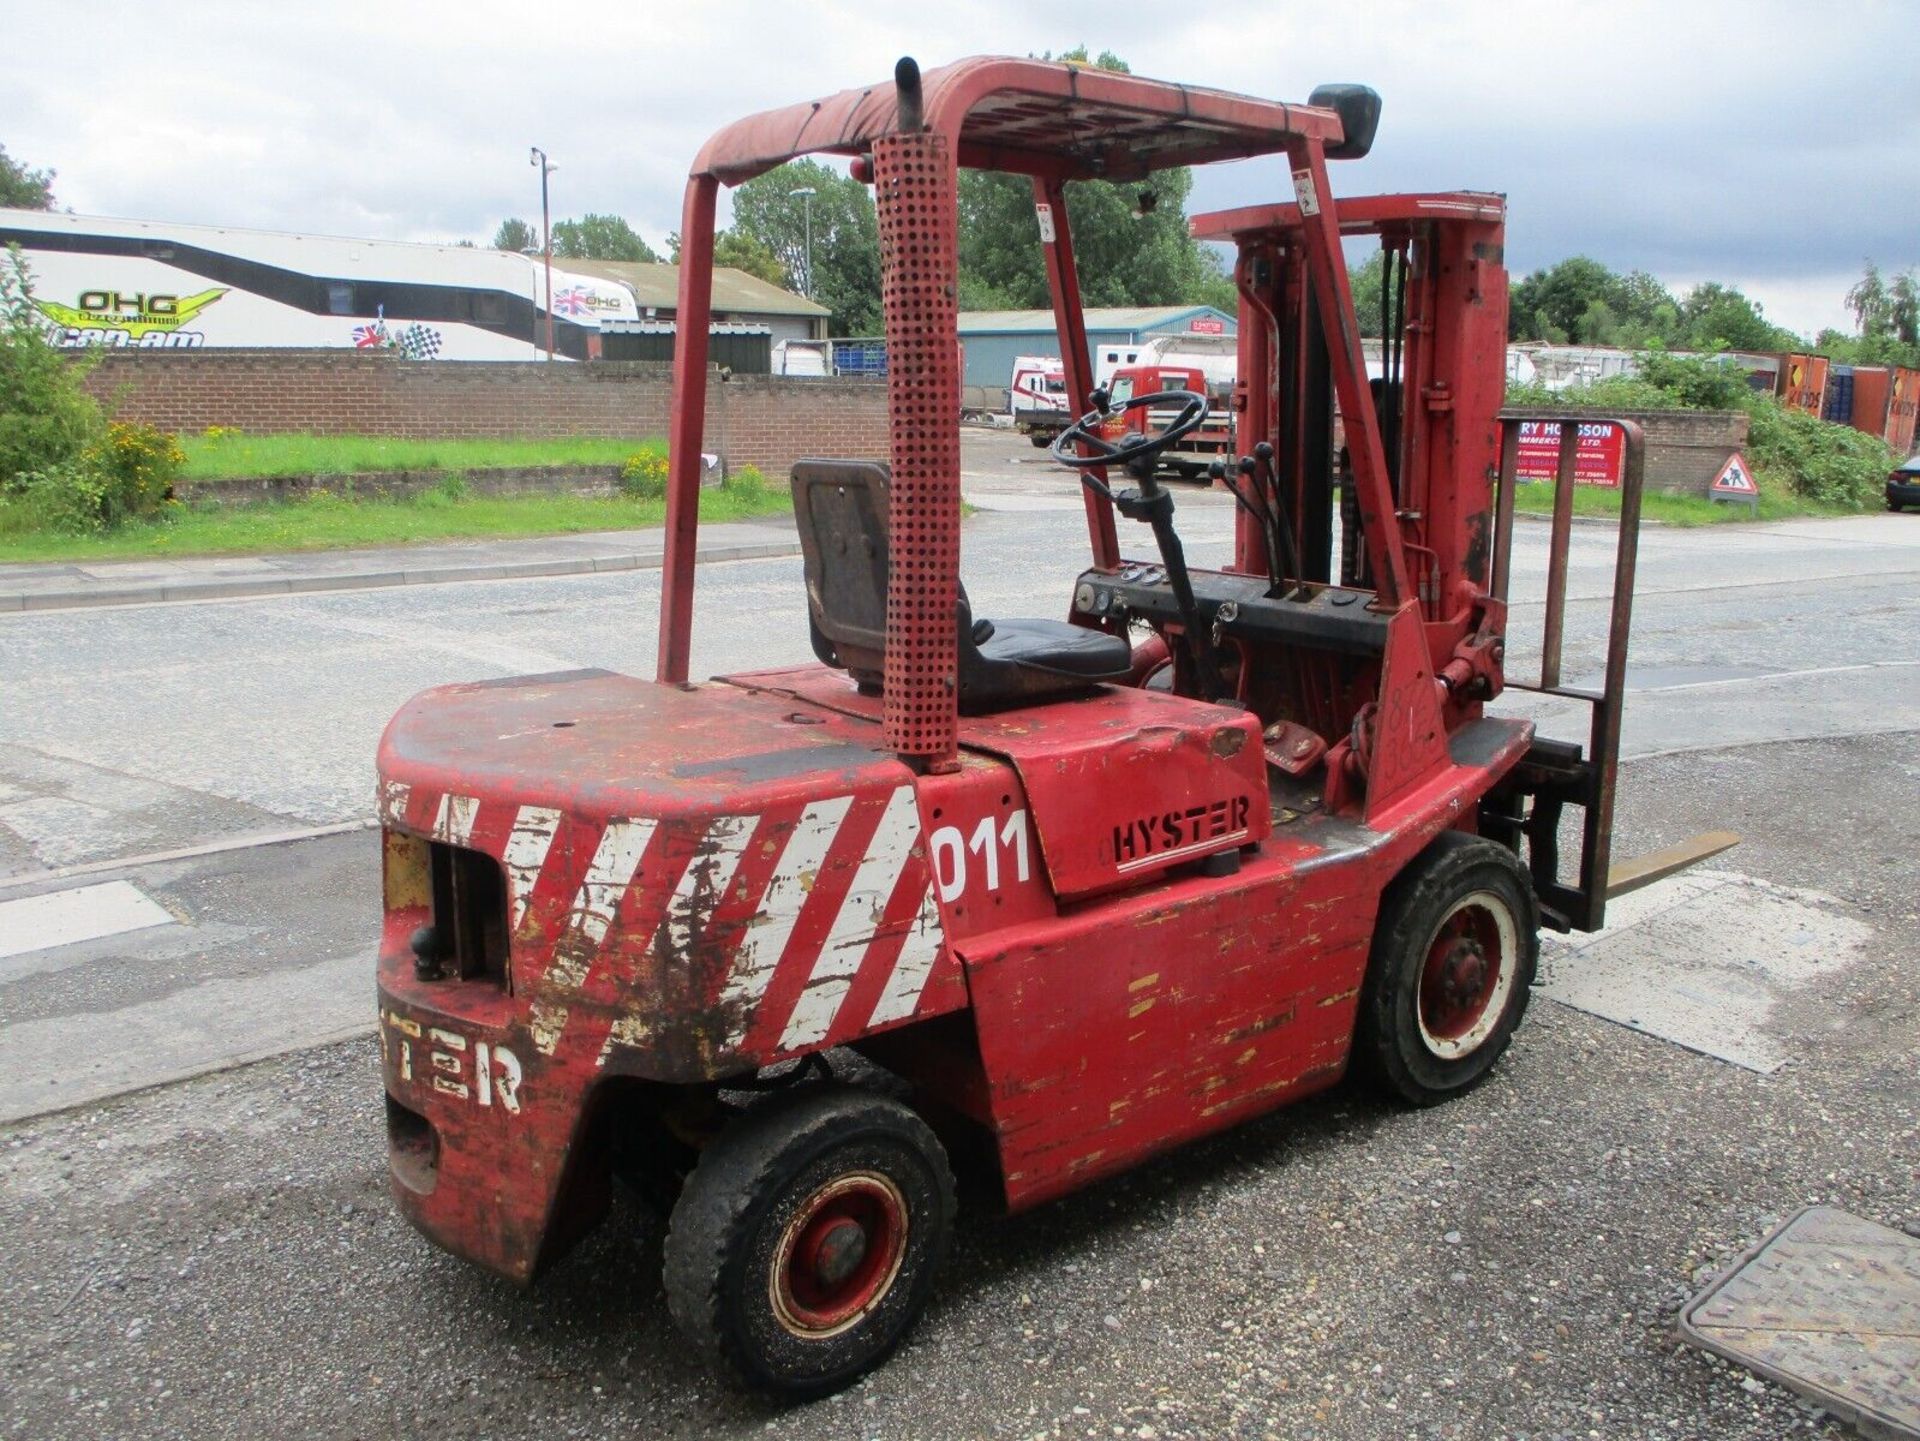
point(1130, 241)
point(846, 238)
point(737, 251)
point(1368, 280)
point(1554, 301)
point(742, 252)
point(516, 235)
point(1886, 311)
point(600, 237)
point(21, 188)
point(1868, 302)
point(1719, 317)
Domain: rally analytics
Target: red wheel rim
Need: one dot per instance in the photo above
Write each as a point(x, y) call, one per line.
point(1467, 975)
point(838, 1254)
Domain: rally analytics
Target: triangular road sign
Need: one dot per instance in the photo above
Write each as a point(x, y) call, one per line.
point(1735, 479)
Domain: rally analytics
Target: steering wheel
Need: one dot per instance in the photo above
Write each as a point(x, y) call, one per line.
point(1193, 410)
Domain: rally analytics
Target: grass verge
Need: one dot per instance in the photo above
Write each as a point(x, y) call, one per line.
point(330, 522)
point(1536, 498)
point(231, 454)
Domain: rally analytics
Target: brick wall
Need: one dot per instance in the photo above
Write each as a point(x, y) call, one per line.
point(751, 420)
point(1685, 448)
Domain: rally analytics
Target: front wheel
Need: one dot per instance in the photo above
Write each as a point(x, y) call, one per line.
point(1453, 959)
point(805, 1242)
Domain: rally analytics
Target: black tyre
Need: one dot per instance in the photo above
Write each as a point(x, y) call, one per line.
point(1040, 442)
point(1453, 961)
point(805, 1242)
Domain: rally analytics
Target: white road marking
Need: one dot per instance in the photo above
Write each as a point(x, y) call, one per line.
point(1702, 960)
point(854, 927)
point(786, 896)
point(88, 913)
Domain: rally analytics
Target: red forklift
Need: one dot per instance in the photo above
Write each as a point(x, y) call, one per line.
point(1060, 894)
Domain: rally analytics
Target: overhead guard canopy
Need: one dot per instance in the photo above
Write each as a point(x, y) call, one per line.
point(1030, 117)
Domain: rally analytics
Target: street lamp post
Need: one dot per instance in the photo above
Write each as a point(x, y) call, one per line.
point(806, 194)
point(537, 156)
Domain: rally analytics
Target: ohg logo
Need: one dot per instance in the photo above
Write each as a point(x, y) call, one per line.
point(116, 302)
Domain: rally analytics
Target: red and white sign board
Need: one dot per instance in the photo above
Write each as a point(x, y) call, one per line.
point(1735, 481)
point(1206, 325)
point(1596, 459)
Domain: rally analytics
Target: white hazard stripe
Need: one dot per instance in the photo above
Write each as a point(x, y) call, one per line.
point(453, 821)
point(609, 874)
point(915, 964)
point(701, 890)
point(759, 952)
point(527, 846)
point(854, 927)
point(394, 796)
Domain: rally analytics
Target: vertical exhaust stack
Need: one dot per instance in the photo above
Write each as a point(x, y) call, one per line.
point(916, 197)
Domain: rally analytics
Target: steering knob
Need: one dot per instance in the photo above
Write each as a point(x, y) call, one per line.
point(1263, 452)
point(1102, 399)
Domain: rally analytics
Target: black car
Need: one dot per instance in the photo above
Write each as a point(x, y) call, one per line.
point(1903, 485)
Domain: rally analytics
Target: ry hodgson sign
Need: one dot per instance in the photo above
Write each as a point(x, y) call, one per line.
point(1596, 458)
point(115, 317)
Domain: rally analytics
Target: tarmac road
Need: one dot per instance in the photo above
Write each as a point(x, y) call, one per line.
point(217, 1258)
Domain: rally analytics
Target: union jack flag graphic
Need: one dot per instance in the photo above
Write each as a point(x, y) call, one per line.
point(574, 300)
point(372, 334)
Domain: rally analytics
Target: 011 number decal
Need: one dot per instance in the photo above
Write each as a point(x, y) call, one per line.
point(951, 871)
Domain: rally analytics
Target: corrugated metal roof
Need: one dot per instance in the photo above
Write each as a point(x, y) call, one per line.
point(1115, 317)
point(658, 286)
point(669, 327)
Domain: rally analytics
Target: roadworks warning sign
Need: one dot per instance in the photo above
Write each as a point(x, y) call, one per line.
point(1735, 480)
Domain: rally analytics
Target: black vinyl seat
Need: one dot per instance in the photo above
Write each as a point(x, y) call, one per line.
point(841, 507)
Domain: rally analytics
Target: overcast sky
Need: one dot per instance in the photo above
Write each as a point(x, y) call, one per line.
point(1772, 146)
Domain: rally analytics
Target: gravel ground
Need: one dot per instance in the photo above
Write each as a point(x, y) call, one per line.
point(218, 1259)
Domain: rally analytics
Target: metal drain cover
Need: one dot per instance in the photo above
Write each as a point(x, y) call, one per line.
point(1828, 1304)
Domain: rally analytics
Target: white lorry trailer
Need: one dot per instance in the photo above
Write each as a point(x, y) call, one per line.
point(159, 285)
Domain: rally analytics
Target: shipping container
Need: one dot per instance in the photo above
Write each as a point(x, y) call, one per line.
point(1806, 383)
point(1872, 388)
point(1901, 408)
point(1839, 403)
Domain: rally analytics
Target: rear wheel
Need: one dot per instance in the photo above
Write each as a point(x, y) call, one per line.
point(804, 1244)
point(1453, 960)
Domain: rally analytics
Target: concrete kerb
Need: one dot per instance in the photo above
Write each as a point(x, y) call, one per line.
point(249, 587)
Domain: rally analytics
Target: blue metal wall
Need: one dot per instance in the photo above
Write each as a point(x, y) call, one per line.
point(990, 357)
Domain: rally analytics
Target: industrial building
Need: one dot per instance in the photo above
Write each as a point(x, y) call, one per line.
point(992, 338)
point(738, 298)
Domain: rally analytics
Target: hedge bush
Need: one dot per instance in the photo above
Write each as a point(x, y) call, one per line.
point(1830, 465)
point(61, 462)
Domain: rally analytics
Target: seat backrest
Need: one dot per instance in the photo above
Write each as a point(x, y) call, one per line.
point(841, 509)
